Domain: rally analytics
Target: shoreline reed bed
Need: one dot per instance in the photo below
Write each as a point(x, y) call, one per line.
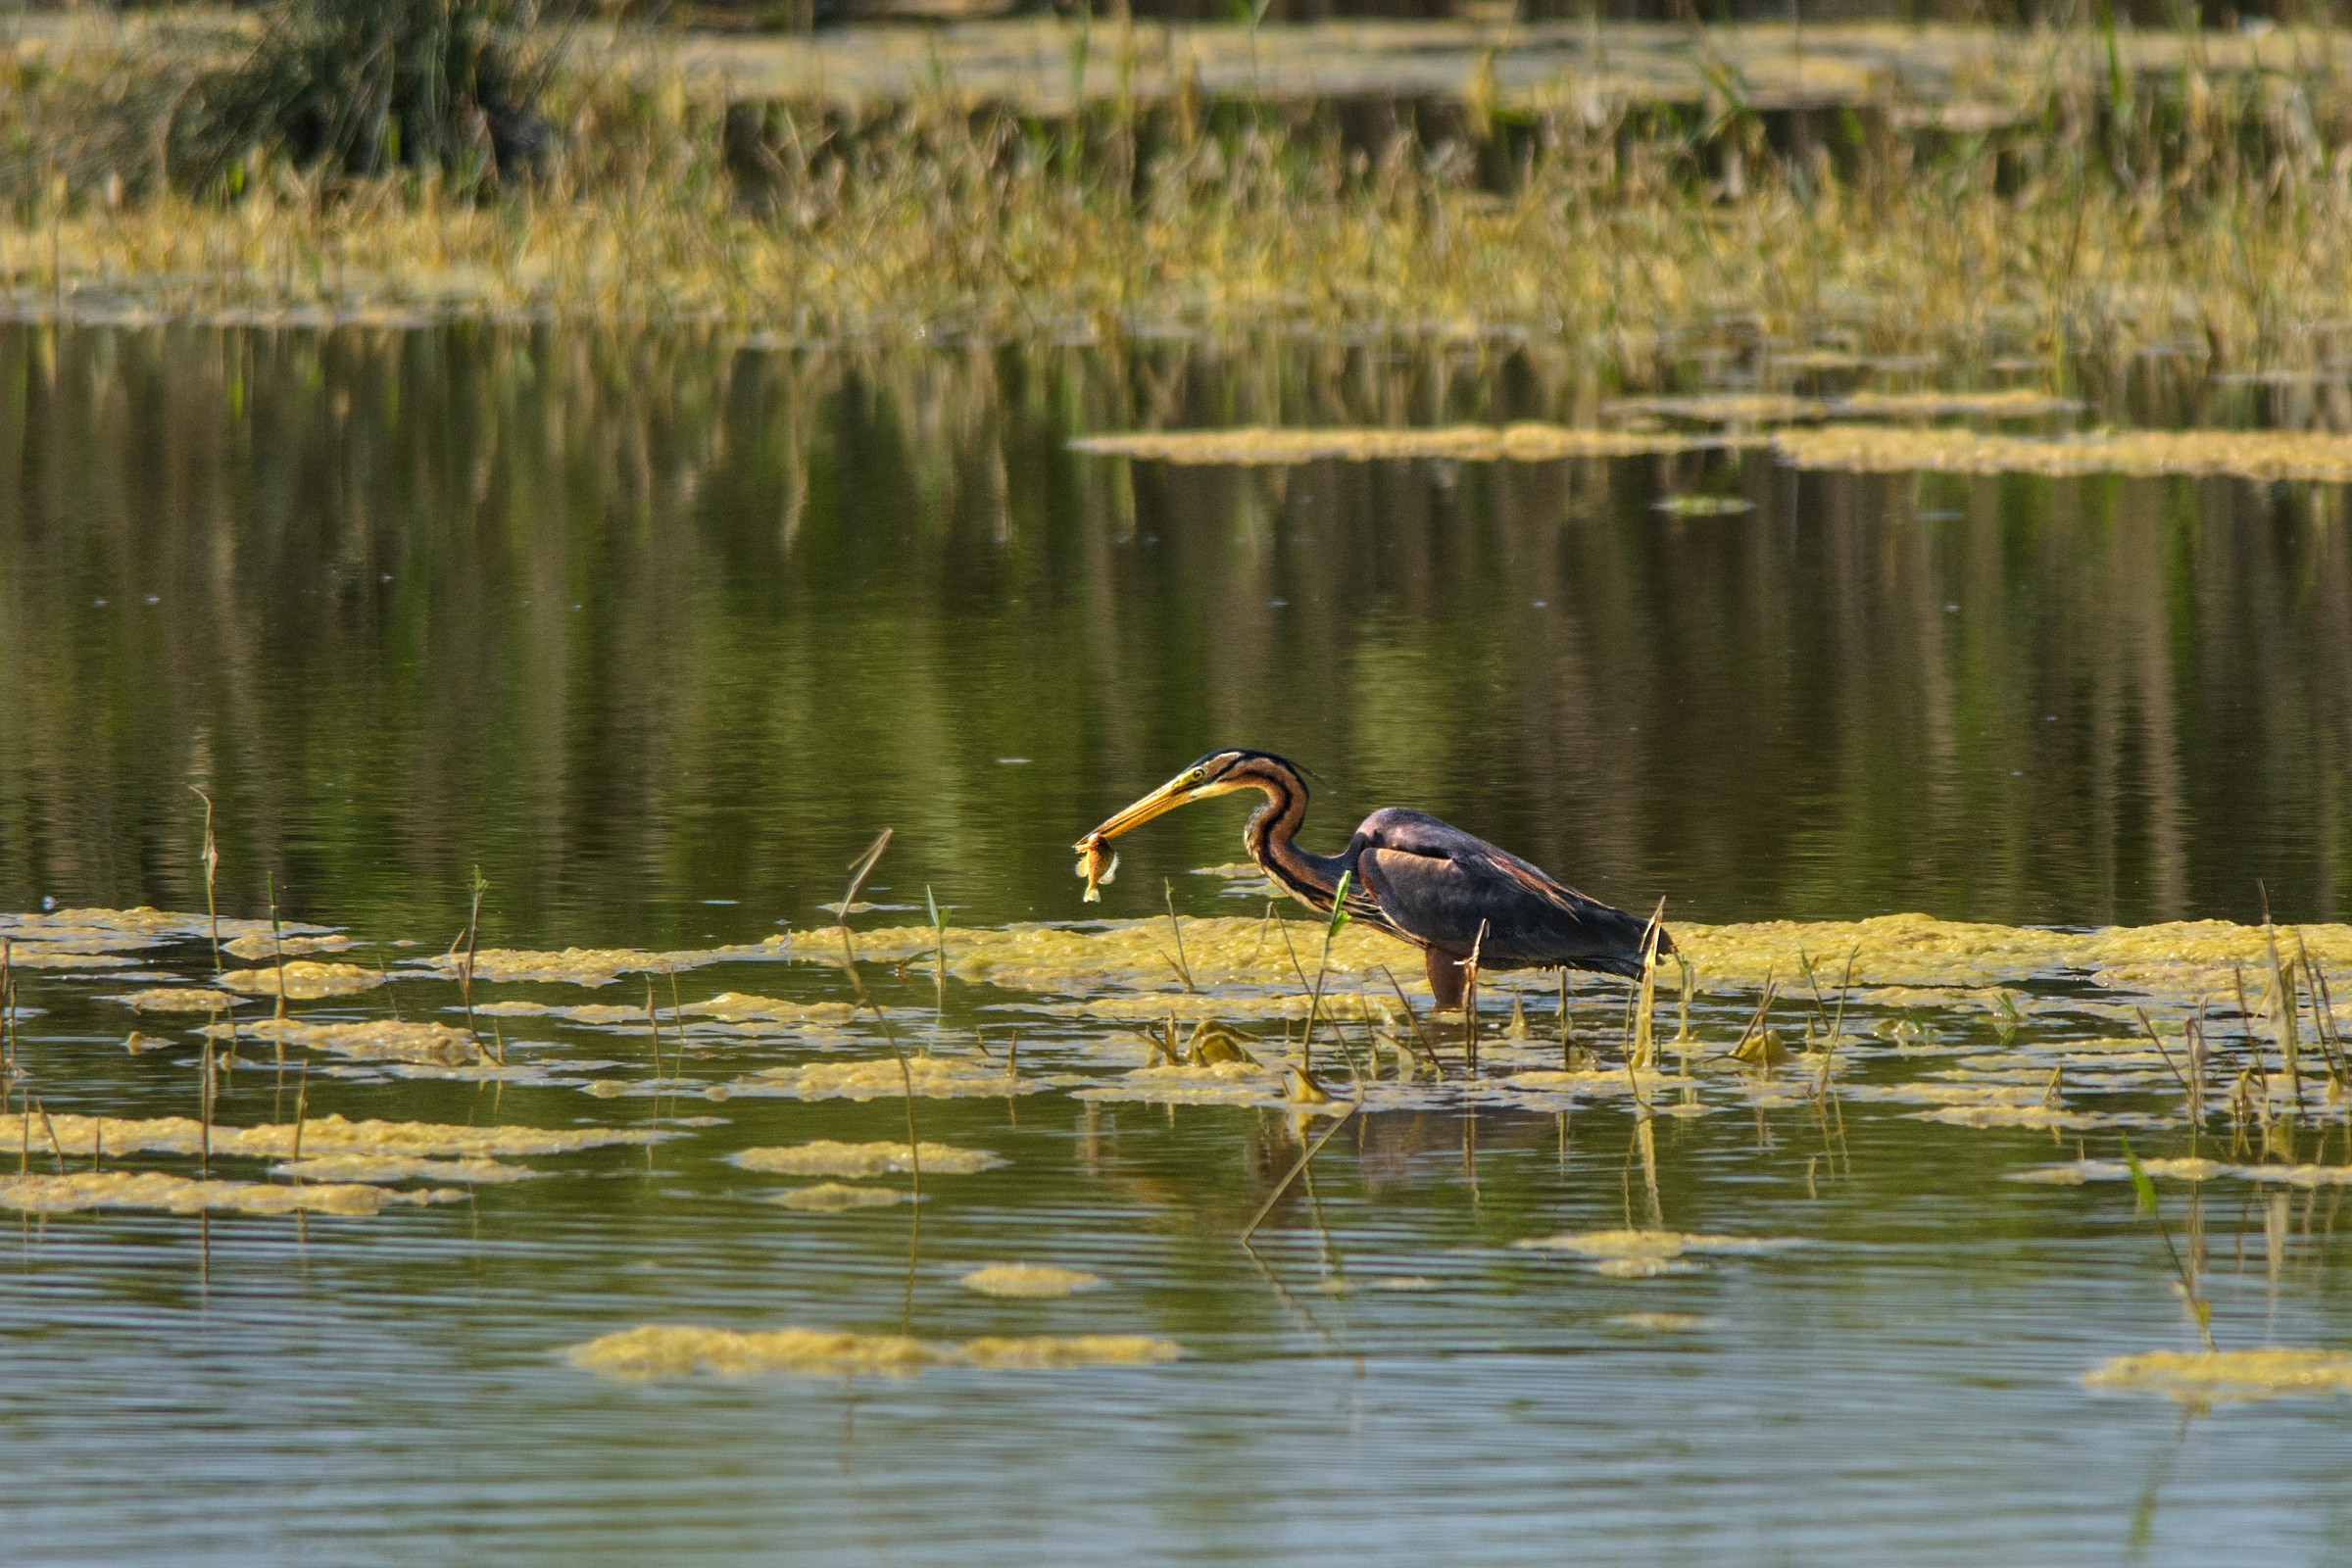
point(2169, 209)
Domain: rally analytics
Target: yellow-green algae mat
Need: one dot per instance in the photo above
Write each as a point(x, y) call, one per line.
point(190, 1194)
point(663, 1350)
point(2313, 455)
point(1032, 1282)
point(87, 1136)
point(1246, 954)
point(2212, 1377)
point(829, 1158)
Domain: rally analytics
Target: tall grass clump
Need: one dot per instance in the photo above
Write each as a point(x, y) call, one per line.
point(367, 87)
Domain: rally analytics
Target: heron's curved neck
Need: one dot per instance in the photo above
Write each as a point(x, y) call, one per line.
point(1312, 879)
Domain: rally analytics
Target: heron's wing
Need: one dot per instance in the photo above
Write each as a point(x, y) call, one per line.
point(1441, 884)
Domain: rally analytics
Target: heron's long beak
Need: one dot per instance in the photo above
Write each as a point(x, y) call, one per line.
point(1160, 802)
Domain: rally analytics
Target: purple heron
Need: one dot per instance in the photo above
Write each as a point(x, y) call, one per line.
point(1420, 880)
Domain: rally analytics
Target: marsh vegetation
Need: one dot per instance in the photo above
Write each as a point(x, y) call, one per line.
point(2184, 203)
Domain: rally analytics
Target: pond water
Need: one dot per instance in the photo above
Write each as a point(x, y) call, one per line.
point(660, 631)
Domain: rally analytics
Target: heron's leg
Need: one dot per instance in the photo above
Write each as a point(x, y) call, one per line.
point(1445, 979)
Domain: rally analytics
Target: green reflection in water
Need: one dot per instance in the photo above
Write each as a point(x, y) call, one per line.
point(645, 622)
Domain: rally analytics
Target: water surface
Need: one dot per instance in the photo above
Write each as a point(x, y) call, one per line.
point(659, 632)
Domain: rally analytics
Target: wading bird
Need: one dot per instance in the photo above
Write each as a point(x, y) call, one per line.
point(1416, 878)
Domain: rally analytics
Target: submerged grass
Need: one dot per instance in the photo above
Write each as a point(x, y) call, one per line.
point(2175, 207)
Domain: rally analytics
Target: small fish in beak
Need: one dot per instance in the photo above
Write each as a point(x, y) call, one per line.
point(1099, 863)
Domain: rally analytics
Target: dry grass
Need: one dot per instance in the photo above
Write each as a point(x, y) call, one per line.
point(2182, 211)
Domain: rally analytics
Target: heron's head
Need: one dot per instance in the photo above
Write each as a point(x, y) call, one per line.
point(1217, 773)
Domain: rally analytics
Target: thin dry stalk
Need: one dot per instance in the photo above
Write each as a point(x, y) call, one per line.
point(1179, 963)
point(653, 1024)
point(8, 1021)
point(56, 1149)
point(473, 934)
point(278, 944)
point(860, 870)
point(302, 1109)
point(212, 868)
point(1305, 1159)
point(204, 1112)
point(1470, 1001)
point(1428, 1051)
point(2285, 1015)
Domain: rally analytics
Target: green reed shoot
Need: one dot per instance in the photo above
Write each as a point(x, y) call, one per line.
point(2201, 1311)
point(939, 944)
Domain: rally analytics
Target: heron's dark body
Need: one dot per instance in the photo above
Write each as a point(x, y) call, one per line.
point(1446, 890)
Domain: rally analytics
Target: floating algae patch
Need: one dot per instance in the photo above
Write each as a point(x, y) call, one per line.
point(2039, 1116)
point(826, 1157)
point(2074, 1173)
point(266, 945)
point(597, 966)
point(1643, 1253)
point(601, 1013)
point(2013, 403)
point(837, 1197)
point(1222, 953)
point(1244, 967)
point(732, 1007)
point(1605, 1080)
point(304, 980)
point(177, 999)
point(1222, 1083)
point(477, 1172)
point(932, 1077)
point(1029, 1282)
point(2179, 957)
point(365, 1040)
point(2206, 1376)
point(735, 1014)
point(319, 1135)
point(143, 921)
point(188, 1194)
point(2243, 454)
point(1660, 1322)
point(1261, 445)
point(1725, 408)
point(38, 956)
point(1948, 1094)
point(656, 1350)
point(2299, 1175)
point(1696, 506)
